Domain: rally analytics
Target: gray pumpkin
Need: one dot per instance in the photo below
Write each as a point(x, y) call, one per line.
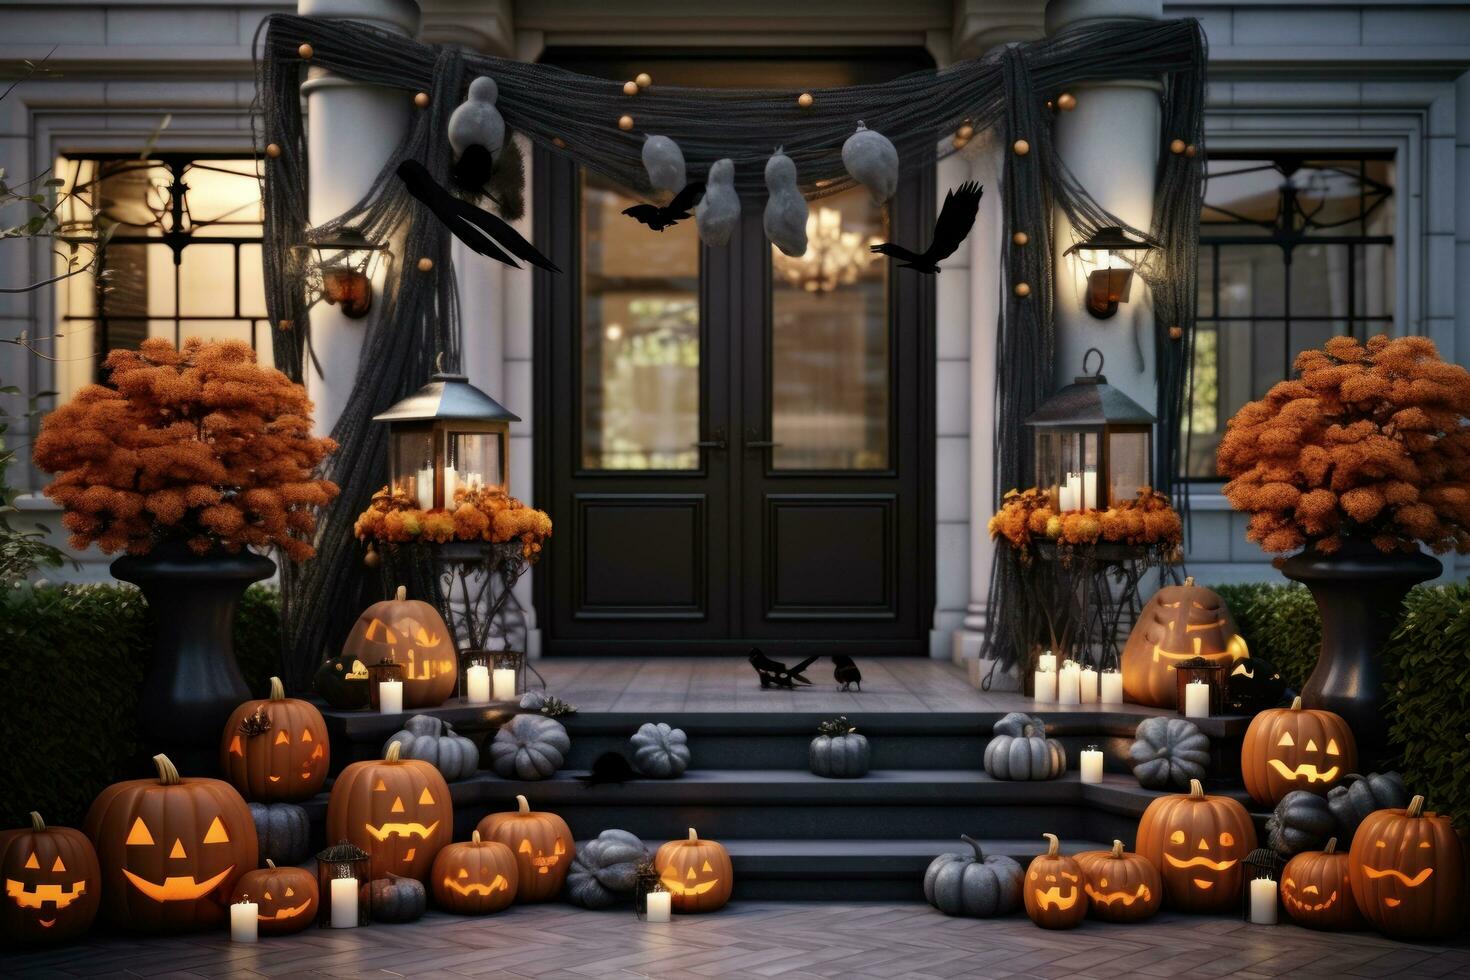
point(434, 741)
point(398, 899)
point(659, 751)
point(786, 209)
point(1301, 822)
point(718, 211)
point(664, 162)
point(605, 870)
point(529, 747)
point(838, 751)
point(871, 160)
point(1168, 752)
point(1019, 749)
point(977, 886)
point(283, 831)
point(1357, 796)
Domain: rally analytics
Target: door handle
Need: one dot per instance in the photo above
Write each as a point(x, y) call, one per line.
point(718, 442)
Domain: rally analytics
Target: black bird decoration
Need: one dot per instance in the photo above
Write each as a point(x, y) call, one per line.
point(479, 229)
point(846, 673)
point(659, 218)
point(773, 673)
point(956, 219)
point(610, 768)
point(473, 170)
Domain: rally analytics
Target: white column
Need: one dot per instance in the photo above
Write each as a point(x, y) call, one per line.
point(351, 130)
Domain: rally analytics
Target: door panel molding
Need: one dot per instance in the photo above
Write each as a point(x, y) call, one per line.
point(609, 528)
point(814, 544)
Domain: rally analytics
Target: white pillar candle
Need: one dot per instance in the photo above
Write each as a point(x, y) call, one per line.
point(424, 488)
point(1069, 689)
point(390, 697)
point(1047, 661)
point(660, 906)
point(344, 903)
point(1092, 765)
point(477, 684)
point(1088, 688)
point(505, 684)
point(244, 924)
point(1089, 489)
point(1111, 685)
point(1196, 700)
point(451, 483)
point(1066, 499)
point(1263, 901)
point(1046, 685)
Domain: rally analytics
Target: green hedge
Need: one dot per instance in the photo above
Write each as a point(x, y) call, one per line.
point(72, 659)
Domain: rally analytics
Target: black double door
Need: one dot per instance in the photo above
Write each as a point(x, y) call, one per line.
point(736, 447)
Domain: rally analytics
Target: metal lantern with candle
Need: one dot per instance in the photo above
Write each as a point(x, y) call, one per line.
point(1093, 444)
point(1198, 670)
point(386, 670)
point(474, 675)
point(343, 876)
point(342, 267)
point(448, 434)
point(1108, 257)
point(1262, 864)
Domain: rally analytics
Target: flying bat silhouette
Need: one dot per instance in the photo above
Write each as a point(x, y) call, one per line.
point(609, 768)
point(659, 218)
point(846, 673)
point(773, 673)
point(956, 219)
point(479, 229)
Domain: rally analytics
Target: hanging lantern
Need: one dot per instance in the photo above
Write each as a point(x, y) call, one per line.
point(1094, 444)
point(342, 270)
point(446, 436)
point(344, 898)
point(1108, 257)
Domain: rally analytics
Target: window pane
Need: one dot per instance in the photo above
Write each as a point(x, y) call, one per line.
point(1205, 423)
point(1252, 281)
point(1373, 281)
point(1319, 281)
point(1207, 281)
point(829, 342)
point(640, 337)
point(207, 280)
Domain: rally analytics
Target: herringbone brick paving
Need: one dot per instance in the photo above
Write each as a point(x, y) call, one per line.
point(759, 939)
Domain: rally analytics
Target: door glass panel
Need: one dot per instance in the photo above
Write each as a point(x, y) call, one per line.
point(830, 377)
point(640, 337)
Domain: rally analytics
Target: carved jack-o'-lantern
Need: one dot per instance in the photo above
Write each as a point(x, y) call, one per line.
point(542, 844)
point(398, 810)
point(1316, 892)
point(170, 849)
point(1407, 869)
point(1295, 748)
point(1053, 889)
point(1120, 886)
point(276, 749)
point(1197, 843)
point(52, 884)
point(410, 633)
point(697, 873)
point(286, 898)
point(1178, 623)
point(476, 877)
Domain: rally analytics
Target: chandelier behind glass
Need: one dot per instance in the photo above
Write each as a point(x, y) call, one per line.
point(833, 258)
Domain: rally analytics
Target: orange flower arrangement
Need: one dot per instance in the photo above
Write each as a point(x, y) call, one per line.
point(200, 444)
point(1026, 516)
point(481, 514)
point(1370, 440)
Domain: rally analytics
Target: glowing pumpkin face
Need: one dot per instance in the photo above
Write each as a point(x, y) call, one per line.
point(541, 844)
point(1197, 844)
point(398, 810)
point(1053, 891)
point(1120, 886)
point(697, 873)
point(1407, 870)
point(287, 898)
point(52, 884)
point(276, 749)
point(1316, 892)
point(1179, 623)
point(1295, 748)
point(475, 878)
point(412, 634)
point(170, 850)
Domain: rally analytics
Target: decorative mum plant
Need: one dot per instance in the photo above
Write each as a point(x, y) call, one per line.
point(201, 445)
point(482, 514)
point(1025, 517)
point(1370, 441)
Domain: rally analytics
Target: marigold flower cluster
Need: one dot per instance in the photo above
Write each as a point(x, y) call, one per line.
point(1026, 516)
point(481, 514)
point(200, 444)
point(1369, 440)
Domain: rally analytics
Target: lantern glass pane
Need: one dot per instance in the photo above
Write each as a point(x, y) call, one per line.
point(1086, 484)
point(1069, 470)
point(413, 465)
point(1128, 464)
point(475, 459)
point(1048, 462)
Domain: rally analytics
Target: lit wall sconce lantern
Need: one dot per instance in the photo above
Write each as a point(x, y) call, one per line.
point(1094, 444)
point(446, 436)
point(1109, 257)
point(342, 270)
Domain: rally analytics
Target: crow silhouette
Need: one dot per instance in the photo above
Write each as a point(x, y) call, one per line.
point(473, 170)
point(956, 219)
point(846, 673)
point(773, 673)
point(609, 768)
point(479, 229)
point(659, 218)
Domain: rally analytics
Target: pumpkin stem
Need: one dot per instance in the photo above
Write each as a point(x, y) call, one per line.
point(270, 864)
point(401, 594)
point(979, 855)
point(168, 774)
point(38, 826)
point(1416, 807)
point(1117, 848)
point(1196, 789)
point(475, 837)
point(522, 806)
point(695, 837)
point(1296, 703)
point(278, 690)
point(395, 749)
point(1331, 846)
point(1052, 844)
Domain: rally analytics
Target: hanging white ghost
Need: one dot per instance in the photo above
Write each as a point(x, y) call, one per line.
point(718, 212)
point(664, 162)
point(872, 160)
point(476, 121)
point(786, 209)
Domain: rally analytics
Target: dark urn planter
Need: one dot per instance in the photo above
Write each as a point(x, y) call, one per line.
point(1360, 593)
point(194, 682)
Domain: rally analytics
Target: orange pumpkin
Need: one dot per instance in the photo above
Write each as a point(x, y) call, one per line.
point(542, 844)
point(287, 898)
point(1178, 623)
point(412, 634)
point(170, 850)
point(697, 873)
point(277, 749)
point(1316, 890)
point(1121, 886)
point(1295, 748)
point(475, 878)
point(1407, 870)
point(52, 884)
point(1053, 889)
point(1198, 844)
point(398, 810)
